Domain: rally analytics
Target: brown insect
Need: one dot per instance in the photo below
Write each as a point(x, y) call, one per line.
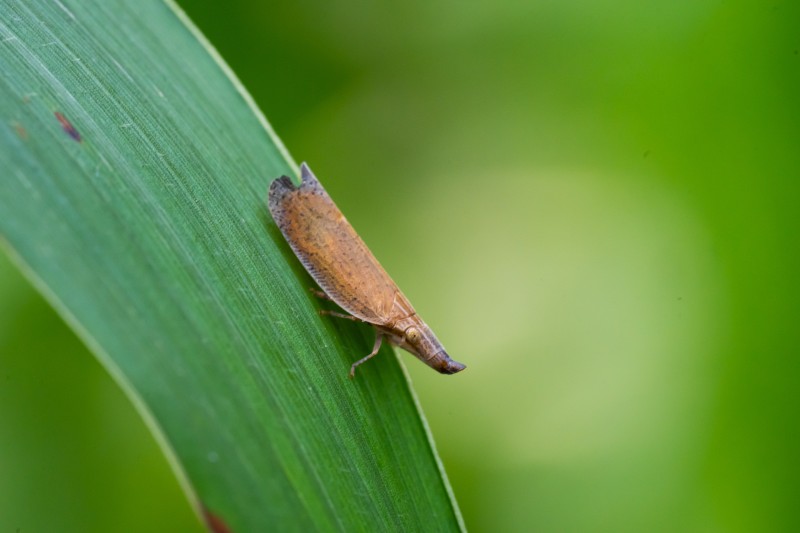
point(340, 262)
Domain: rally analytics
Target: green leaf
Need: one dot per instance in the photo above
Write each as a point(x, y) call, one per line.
point(135, 171)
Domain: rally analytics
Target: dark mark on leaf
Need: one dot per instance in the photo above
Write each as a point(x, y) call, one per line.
point(215, 523)
point(67, 126)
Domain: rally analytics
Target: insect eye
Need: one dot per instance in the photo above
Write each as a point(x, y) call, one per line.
point(412, 335)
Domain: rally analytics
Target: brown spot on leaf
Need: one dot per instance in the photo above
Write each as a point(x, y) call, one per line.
point(22, 133)
point(215, 523)
point(67, 126)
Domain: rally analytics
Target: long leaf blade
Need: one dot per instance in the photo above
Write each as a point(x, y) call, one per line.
point(133, 195)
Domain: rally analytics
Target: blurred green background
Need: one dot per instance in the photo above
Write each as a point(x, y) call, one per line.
point(595, 206)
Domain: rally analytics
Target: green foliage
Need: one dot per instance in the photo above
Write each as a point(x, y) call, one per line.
point(133, 196)
point(594, 204)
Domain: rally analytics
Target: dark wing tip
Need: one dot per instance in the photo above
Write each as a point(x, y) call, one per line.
point(279, 188)
point(307, 176)
point(283, 186)
point(305, 172)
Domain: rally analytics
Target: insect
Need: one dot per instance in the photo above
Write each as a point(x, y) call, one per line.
point(342, 265)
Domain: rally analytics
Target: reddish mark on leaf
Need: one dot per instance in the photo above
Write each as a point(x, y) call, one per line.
point(215, 523)
point(22, 133)
point(67, 126)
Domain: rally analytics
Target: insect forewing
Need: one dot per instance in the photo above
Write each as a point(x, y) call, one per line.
point(330, 249)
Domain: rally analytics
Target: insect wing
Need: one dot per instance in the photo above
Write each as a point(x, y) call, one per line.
point(330, 250)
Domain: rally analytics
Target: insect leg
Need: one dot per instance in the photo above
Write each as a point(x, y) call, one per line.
point(320, 294)
point(339, 315)
point(378, 341)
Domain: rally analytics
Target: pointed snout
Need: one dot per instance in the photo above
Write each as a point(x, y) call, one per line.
point(450, 367)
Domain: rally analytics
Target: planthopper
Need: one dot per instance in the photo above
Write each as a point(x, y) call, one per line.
point(342, 265)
